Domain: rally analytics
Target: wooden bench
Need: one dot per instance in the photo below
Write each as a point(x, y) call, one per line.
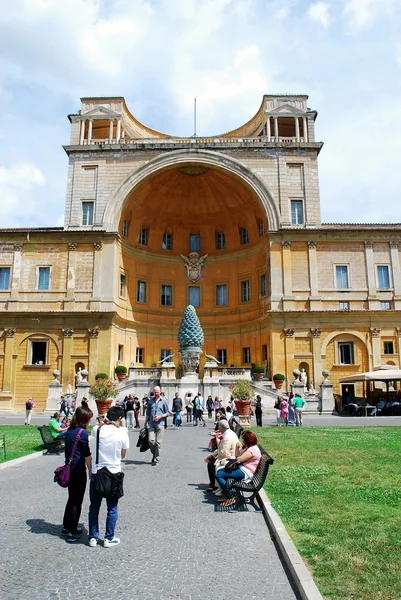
point(245, 493)
point(50, 443)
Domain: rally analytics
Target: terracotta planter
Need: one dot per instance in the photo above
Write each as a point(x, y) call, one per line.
point(103, 405)
point(121, 376)
point(243, 407)
point(258, 376)
point(278, 383)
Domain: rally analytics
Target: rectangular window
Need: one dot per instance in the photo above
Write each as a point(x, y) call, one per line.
point(388, 348)
point(346, 353)
point(243, 235)
point(166, 295)
point(123, 285)
point(264, 352)
point(245, 291)
point(194, 242)
point(143, 237)
point(44, 278)
point(342, 279)
point(164, 354)
point(297, 212)
point(385, 305)
point(167, 243)
point(87, 213)
point(221, 295)
point(220, 241)
point(38, 352)
point(125, 228)
point(141, 291)
point(246, 355)
point(139, 354)
point(222, 356)
point(263, 288)
point(261, 227)
point(194, 295)
point(120, 355)
point(383, 277)
point(5, 278)
point(343, 305)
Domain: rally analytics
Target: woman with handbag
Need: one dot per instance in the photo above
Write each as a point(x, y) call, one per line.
point(244, 466)
point(76, 437)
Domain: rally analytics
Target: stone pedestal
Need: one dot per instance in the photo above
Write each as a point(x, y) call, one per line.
point(54, 394)
point(211, 380)
point(83, 391)
point(326, 396)
point(168, 380)
point(190, 383)
point(298, 388)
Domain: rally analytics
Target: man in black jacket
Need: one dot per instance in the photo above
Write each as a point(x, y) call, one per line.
point(177, 406)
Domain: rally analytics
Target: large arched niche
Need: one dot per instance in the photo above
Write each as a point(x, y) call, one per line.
point(242, 179)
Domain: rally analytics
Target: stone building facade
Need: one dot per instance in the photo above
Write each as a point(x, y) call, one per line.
point(229, 223)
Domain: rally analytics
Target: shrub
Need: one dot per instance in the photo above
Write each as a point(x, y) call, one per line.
point(258, 369)
point(120, 369)
point(279, 377)
point(242, 390)
point(101, 376)
point(103, 389)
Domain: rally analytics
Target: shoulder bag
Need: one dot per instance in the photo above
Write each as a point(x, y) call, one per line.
point(106, 483)
point(231, 465)
point(62, 474)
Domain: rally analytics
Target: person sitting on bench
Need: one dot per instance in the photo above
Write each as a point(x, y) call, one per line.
point(57, 432)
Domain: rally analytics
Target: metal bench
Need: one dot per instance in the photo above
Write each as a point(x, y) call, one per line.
point(245, 493)
point(51, 444)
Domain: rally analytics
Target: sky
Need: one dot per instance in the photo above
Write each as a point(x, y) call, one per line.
point(161, 54)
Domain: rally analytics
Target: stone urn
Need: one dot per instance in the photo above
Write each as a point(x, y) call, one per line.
point(278, 380)
point(103, 405)
point(121, 376)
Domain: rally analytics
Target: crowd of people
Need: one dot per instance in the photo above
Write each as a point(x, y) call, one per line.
point(289, 410)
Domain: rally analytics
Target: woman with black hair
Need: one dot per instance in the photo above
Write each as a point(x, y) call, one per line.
point(80, 461)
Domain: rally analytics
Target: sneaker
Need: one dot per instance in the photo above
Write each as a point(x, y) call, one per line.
point(153, 463)
point(72, 538)
point(92, 542)
point(66, 532)
point(219, 493)
point(157, 459)
point(110, 543)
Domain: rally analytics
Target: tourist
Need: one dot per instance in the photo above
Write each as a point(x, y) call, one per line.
point(209, 406)
point(283, 412)
point(177, 407)
point(81, 461)
point(29, 406)
point(156, 414)
point(56, 431)
point(226, 449)
point(113, 446)
point(144, 405)
point(137, 410)
point(130, 411)
point(291, 421)
point(277, 406)
point(216, 406)
point(163, 397)
point(258, 411)
point(299, 404)
point(199, 409)
point(248, 458)
point(178, 419)
point(188, 406)
point(84, 402)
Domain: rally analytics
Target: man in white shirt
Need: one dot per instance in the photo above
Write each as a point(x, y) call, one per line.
point(113, 445)
point(226, 449)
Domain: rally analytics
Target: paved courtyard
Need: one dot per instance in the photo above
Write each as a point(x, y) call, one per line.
point(174, 544)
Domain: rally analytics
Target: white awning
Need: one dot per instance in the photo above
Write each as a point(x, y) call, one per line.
point(380, 375)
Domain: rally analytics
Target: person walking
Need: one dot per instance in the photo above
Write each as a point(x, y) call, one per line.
point(209, 406)
point(81, 460)
point(137, 410)
point(177, 407)
point(299, 404)
point(156, 414)
point(258, 411)
point(113, 446)
point(188, 406)
point(130, 411)
point(199, 409)
point(163, 397)
point(29, 406)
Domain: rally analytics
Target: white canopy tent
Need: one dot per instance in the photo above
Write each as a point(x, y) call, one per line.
point(380, 375)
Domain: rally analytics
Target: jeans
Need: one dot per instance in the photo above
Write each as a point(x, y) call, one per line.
point(298, 416)
point(94, 508)
point(61, 435)
point(222, 475)
point(156, 434)
point(130, 418)
point(28, 415)
point(76, 492)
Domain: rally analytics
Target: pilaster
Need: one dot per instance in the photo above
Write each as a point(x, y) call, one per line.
point(396, 274)
point(67, 351)
point(288, 303)
point(314, 300)
point(289, 342)
point(376, 350)
point(373, 301)
point(316, 353)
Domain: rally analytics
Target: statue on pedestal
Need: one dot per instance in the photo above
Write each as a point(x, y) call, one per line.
point(78, 376)
point(166, 359)
point(304, 379)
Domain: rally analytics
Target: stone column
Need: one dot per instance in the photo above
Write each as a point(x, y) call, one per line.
point(373, 302)
point(111, 130)
point(297, 129)
point(90, 131)
point(93, 349)
point(118, 135)
point(72, 259)
point(68, 333)
point(16, 271)
point(289, 346)
point(268, 129)
point(314, 300)
point(54, 394)
point(275, 121)
point(376, 350)
point(305, 124)
point(7, 393)
point(396, 274)
point(82, 132)
point(97, 276)
point(317, 353)
point(287, 275)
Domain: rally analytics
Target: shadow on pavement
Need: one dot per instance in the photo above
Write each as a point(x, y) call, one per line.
point(42, 527)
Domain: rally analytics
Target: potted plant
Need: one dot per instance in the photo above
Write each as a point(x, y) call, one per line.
point(278, 380)
point(242, 393)
point(258, 373)
point(121, 372)
point(103, 391)
point(101, 376)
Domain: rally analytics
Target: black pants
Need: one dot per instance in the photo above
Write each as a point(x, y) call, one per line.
point(211, 469)
point(189, 415)
point(76, 493)
point(258, 415)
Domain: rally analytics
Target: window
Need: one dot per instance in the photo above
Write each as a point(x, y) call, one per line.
point(141, 291)
point(245, 291)
point(125, 227)
point(87, 213)
point(343, 305)
point(342, 279)
point(243, 235)
point(385, 305)
point(123, 285)
point(246, 355)
point(220, 241)
point(43, 278)
point(263, 289)
point(167, 243)
point(194, 295)
point(166, 295)
point(261, 227)
point(264, 352)
point(221, 295)
point(383, 277)
point(120, 355)
point(4, 278)
point(143, 237)
point(297, 212)
point(139, 354)
point(346, 353)
point(38, 352)
point(164, 354)
point(388, 348)
point(194, 242)
point(222, 356)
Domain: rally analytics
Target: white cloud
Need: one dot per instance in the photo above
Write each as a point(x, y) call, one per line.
point(319, 12)
point(362, 13)
point(17, 183)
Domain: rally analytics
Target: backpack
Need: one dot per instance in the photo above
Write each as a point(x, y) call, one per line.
point(29, 405)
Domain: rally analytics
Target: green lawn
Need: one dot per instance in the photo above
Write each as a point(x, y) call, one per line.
point(20, 441)
point(338, 492)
